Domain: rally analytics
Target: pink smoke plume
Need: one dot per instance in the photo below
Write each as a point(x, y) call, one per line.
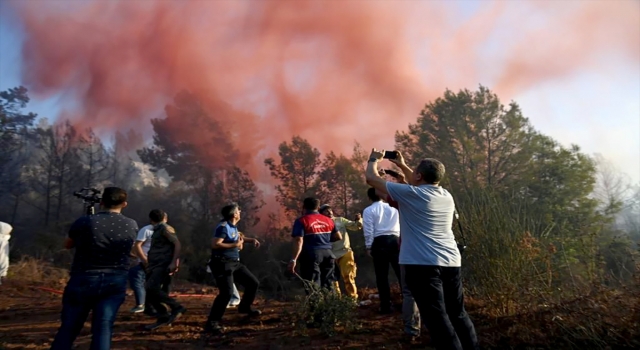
point(332, 72)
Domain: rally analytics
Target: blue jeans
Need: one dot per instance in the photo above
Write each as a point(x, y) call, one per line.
point(100, 292)
point(137, 278)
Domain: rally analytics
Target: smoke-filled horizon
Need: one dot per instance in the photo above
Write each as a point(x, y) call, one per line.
point(331, 72)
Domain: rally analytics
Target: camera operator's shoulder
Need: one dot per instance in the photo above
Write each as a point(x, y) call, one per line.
point(170, 229)
point(132, 222)
point(84, 219)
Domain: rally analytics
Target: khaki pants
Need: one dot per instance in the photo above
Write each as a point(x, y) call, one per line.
point(347, 266)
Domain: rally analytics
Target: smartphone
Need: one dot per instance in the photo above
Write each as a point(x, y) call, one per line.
point(390, 155)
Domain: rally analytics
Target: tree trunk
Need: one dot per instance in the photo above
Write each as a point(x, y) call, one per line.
point(14, 212)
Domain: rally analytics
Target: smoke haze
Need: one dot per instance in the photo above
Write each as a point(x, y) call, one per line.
point(332, 72)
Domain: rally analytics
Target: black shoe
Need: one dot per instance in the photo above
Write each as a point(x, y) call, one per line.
point(175, 314)
point(213, 328)
point(385, 310)
point(410, 338)
point(163, 321)
point(250, 312)
point(150, 312)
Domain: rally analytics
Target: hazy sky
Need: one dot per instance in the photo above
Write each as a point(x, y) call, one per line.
point(574, 67)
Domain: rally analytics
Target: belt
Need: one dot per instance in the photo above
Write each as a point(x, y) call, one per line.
point(386, 235)
point(100, 271)
point(224, 259)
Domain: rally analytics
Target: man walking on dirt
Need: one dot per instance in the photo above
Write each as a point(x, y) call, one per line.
point(226, 269)
point(98, 278)
point(137, 274)
point(312, 236)
point(162, 263)
point(345, 262)
point(429, 251)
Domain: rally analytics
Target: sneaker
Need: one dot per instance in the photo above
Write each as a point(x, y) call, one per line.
point(250, 312)
point(137, 309)
point(175, 314)
point(233, 304)
point(213, 328)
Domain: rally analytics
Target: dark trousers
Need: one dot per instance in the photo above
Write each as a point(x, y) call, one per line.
point(166, 287)
point(438, 293)
point(226, 274)
point(99, 292)
point(157, 294)
point(317, 266)
point(385, 252)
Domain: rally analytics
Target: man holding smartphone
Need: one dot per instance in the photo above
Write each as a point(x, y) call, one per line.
point(429, 251)
point(410, 312)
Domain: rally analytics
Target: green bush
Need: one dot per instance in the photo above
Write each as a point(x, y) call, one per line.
point(325, 310)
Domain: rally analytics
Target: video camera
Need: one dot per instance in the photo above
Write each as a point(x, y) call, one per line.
point(90, 197)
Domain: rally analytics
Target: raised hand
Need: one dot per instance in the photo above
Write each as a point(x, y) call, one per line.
point(399, 160)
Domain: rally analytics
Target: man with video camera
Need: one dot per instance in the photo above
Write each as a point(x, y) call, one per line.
point(428, 252)
point(98, 278)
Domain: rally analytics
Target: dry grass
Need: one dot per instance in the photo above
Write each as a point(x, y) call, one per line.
point(32, 270)
point(602, 318)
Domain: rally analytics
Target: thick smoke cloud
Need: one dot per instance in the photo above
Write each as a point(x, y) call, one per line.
point(329, 71)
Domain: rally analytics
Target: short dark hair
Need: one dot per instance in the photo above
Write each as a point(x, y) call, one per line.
point(228, 210)
point(432, 170)
point(324, 208)
point(371, 193)
point(157, 215)
point(113, 197)
point(311, 203)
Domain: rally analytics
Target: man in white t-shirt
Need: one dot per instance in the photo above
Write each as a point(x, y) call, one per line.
point(429, 252)
point(137, 274)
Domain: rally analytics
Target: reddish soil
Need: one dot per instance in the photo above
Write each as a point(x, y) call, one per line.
point(29, 318)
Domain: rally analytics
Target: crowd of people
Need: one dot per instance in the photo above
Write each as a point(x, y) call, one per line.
point(407, 227)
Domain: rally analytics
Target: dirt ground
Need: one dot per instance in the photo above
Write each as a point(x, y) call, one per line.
point(29, 318)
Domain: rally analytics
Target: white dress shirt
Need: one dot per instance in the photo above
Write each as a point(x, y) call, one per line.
point(379, 219)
